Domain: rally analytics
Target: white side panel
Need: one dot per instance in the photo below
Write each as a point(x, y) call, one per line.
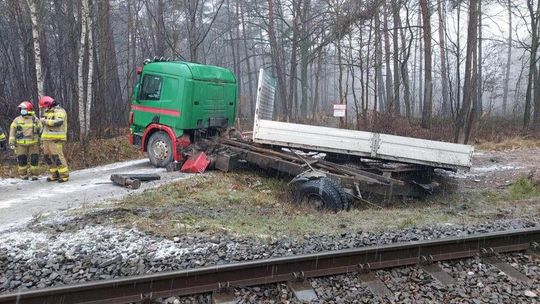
point(367, 144)
point(314, 137)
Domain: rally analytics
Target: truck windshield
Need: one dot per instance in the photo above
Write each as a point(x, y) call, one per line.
point(151, 88)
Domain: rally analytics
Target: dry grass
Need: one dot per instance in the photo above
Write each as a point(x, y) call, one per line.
point(249, 204)
point(509, 144)
point(100, 152)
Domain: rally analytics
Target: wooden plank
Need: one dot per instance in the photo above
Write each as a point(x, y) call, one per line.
point(125, 181)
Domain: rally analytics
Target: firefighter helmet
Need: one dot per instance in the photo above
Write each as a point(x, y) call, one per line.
point(27, 105)
point(46, 102)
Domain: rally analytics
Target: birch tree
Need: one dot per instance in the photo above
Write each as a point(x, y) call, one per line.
point(37, 48)
point(83, 126)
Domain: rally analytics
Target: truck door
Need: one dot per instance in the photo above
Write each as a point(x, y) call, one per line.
point(147, 107)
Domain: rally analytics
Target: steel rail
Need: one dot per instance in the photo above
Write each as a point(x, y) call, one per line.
point(212, 278)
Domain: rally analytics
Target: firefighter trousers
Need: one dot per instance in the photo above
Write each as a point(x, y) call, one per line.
point(54, 157)
point(27, 160)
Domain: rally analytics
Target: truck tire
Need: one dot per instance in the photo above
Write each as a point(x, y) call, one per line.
point(160, 149)
point(321, 194)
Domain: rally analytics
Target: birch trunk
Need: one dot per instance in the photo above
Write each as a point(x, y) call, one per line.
point(90, 81)
point(37, 48)
point(80, 69)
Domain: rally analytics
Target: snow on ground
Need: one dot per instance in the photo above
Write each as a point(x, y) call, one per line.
point(101, 241)
point(21, 200)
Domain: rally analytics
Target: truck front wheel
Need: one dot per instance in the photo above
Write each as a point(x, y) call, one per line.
point(160, 149)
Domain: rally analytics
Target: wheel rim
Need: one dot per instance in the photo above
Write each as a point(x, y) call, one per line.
point(315, 201)
point(160, 150)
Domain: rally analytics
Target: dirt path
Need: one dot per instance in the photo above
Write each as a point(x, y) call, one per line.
point(21, 200)
point(496, 170)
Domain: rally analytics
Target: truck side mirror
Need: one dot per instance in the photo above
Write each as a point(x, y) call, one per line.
point(136, 91)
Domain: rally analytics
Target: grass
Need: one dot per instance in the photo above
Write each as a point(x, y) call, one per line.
point(250, 204)
point(509, 144)
point(523, 188)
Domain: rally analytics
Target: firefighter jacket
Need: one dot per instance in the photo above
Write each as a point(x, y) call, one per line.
point(24, 131)
point(2, 136)
point(54, 124)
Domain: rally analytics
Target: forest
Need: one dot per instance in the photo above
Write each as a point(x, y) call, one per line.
point(447, 69)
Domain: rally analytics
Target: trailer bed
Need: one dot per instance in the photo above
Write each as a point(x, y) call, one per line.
point(386, 147)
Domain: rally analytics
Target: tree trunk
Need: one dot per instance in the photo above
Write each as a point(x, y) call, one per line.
point(90, 78)
point(292, 109)
point(421, 69)
point(37, 48)
point(276, 57)
point(442, 47)
point(389, 85)
point(378, 61)
point(479, 105)
point(532, 62)
point(83, 129)
point(428, 87)
point(466, 114)
point(508, 60)
point(161, 37)
point(304, 55)
point(248, 64)
point(395, 37)
point(405, 65)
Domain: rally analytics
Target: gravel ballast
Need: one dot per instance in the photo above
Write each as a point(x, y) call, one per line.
point(59, 253)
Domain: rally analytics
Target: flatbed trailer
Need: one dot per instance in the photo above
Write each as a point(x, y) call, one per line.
point(384, 165)
point(386, 147)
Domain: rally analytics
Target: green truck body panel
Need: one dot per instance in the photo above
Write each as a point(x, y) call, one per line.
point(184, 96)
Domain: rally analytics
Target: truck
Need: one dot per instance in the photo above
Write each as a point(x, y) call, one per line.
point(178, 105)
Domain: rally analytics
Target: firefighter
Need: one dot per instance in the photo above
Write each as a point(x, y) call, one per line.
point(3, 144)
point(24, 139)
point(53, 138)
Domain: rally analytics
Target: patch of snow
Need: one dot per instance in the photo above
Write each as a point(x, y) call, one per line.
point(493, 168)
point(97, 240)
point(12, 181)
point(116, 166)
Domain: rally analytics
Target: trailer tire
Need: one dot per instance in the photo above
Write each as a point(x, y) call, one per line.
point(321, 194)
point(160, 149)
point(344, 196)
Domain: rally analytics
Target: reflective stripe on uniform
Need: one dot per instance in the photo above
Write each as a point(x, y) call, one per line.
point(26, 142)
point(53, 135)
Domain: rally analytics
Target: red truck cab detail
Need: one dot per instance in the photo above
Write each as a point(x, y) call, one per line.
point(157, 127)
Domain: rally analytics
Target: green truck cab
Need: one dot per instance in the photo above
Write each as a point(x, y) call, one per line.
point(177, 102)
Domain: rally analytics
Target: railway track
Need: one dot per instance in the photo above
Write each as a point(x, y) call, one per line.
point(297, 270)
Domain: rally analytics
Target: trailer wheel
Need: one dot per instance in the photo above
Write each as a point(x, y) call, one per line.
point(344, 196)
point(320, 194)
point(160, 149)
